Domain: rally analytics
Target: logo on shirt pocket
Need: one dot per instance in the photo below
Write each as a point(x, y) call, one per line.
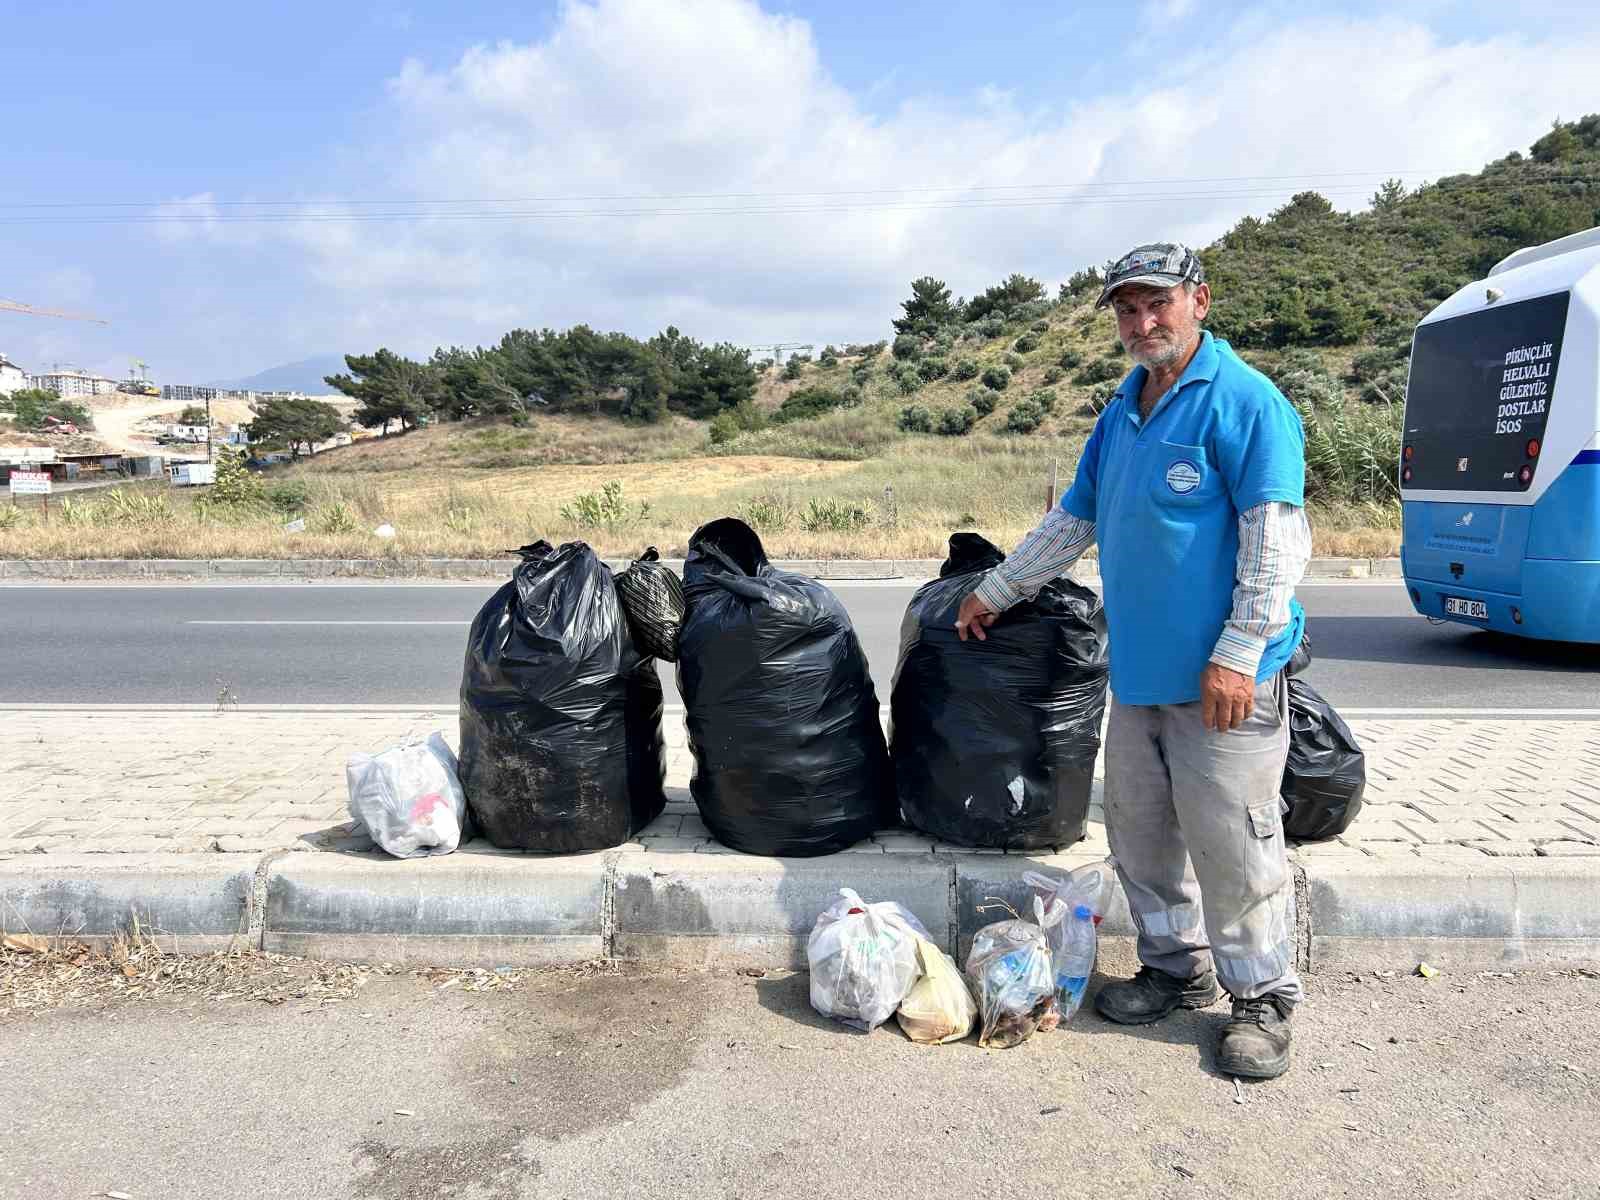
point(1183, 476)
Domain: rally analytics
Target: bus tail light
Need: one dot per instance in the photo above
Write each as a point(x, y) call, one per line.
point(1408, 452)
point(1533, 447)
point(1525, 476)
point(1405, 475)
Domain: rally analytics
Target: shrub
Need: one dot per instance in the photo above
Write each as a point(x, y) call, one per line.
point(997, 379)
point(791, 369)
point(964, 369)
point(860, 374)
point(982, 400)
point(1054, 375)
point(134, 508)
point(237, 487)
point(743, 417)
point(812, 401)
point(828, 360)
point(953, 422)
point(1026, 344)
point(932, 368)
point(945, 338)
point(1040, 326)
point(769, 512)
point(992, 327)
point(1025, 417)
point(1101, 370)
point(834, 516)
point(907, 347)
point(906, 378)
point(1045, 398)
point(335, 518)
point(605, 509)
point(915, 419)
point(1070, 359)
point(1014, 361)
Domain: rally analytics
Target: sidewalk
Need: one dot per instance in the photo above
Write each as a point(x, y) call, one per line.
point(1480, 844)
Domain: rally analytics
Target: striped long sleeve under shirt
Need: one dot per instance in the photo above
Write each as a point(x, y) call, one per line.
point(1274, 548)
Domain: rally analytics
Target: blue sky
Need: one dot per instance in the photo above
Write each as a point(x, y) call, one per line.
point(219, 108)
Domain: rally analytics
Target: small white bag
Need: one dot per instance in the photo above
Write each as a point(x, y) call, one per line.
point(863, 959)
point(409, 798)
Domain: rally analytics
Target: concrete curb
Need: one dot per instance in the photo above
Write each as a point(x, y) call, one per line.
point(192, 902)
point(498, 569)
point(485, 907)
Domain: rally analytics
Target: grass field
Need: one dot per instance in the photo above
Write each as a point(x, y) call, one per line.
point(847, 484)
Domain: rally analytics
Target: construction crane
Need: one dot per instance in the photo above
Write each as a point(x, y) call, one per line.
point(778, 348)
point(139, 383)
point(17, 306)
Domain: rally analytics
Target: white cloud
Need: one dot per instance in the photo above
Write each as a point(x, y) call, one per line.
point(632, 98)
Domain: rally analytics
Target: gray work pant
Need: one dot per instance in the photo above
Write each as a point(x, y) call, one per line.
point(1194, 824)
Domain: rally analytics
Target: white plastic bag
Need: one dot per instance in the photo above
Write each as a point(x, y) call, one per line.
point(409, 797)
point(1082, 895)
point(863, 959)
point(939, 1008)
point(1010, 970)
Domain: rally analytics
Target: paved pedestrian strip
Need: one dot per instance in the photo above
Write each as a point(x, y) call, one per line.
point(142, 780)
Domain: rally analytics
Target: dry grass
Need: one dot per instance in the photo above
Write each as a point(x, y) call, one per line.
point(912, 497)
point(39, 973)
point(476, 489)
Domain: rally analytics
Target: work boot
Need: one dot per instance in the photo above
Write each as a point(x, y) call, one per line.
point(1152, 994)
point(1255, 1043)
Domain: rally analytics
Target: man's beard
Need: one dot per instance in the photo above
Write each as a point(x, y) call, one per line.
point(1153, 354)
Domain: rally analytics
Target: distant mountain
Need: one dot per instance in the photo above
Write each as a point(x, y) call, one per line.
point(303, 376)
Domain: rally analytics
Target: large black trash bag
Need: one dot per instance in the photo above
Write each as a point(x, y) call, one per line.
point(789, 756)
point(994, 742)
point(652, 598)
point(1325, 776)
point(1301, 658)
point(561, 745)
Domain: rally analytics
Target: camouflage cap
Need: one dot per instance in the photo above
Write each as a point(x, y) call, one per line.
point(1155, 264)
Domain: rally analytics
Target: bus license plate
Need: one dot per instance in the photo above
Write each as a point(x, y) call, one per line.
point(1457, 606)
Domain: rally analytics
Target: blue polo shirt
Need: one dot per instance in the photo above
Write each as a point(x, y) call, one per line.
point(1165, 495)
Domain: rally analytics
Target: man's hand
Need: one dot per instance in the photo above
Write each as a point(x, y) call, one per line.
point(975, 616)
point(1226, 698)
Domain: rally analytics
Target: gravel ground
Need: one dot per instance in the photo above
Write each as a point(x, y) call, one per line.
point(598, 1082)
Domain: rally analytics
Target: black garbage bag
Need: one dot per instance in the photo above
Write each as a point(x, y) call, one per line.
point(652, 598)
point(1301, 658)
point(789, 756)
point(561, 745)
point(994, 742)
point(1326, 773)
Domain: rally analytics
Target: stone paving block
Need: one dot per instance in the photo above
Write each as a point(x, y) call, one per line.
point(671, 845)
point(1364, 831)
point(1427, 832)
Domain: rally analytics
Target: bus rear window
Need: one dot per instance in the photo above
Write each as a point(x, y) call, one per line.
point(1479, 392)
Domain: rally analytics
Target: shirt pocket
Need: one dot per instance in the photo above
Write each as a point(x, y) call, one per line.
point(1183, 476)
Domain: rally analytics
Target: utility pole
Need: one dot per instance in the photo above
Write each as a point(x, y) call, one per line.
point(208, 424)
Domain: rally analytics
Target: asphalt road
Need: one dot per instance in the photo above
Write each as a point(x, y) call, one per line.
point(712, 1086)
point(400, 644)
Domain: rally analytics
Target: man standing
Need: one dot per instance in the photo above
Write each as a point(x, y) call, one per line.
point(1193, 484)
